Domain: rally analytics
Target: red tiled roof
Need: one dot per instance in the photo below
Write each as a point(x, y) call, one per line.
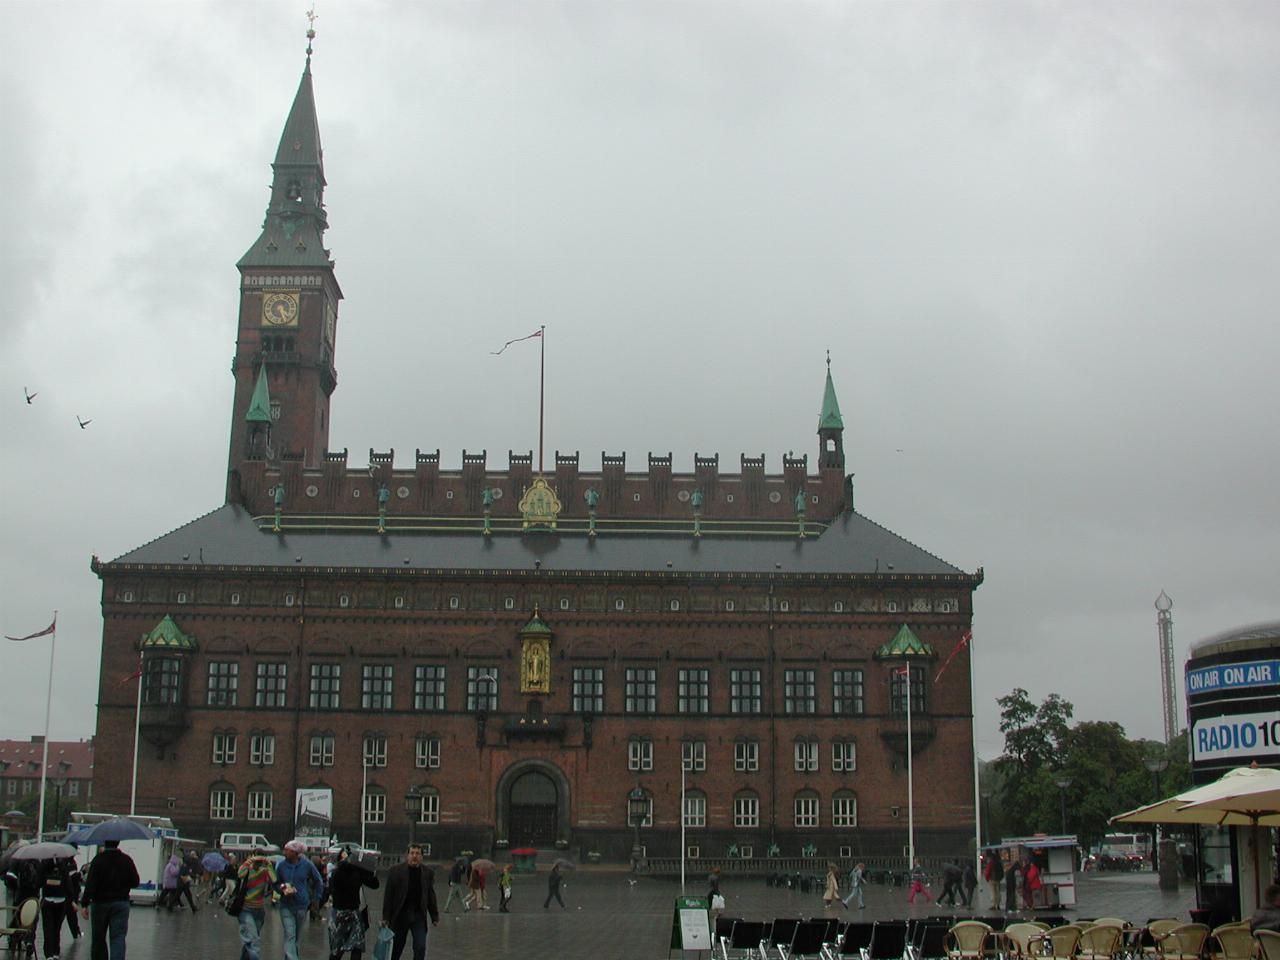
point(72, 759)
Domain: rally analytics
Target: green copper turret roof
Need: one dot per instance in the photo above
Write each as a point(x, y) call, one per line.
point(166, 634)
point(260, 404)
point(536, 627)
point(300, 140)
point(904, 644)
point(830, 418)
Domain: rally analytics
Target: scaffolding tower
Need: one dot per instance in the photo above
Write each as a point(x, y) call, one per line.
point(1164, 634)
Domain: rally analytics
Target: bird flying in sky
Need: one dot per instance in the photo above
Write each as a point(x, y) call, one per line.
point(29, 396)
point(83, 423)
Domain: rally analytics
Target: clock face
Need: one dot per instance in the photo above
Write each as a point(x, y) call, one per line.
point(280, 309)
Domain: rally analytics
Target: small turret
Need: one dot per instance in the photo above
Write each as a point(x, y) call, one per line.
point(830, 428)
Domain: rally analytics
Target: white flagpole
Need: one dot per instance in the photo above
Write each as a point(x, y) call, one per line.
point(364, 792)
point(911, 805)
point(683, 848)
point(48, 704)
point(137, 732)
point(973, 737)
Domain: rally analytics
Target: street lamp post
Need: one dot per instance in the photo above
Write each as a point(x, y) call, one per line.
point(637, 806)
point(1063, 782)
point(986, 815)
point(1156, 764)
point(413, 808)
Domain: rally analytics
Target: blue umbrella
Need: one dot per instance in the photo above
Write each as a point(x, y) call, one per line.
point(117, 828)
point(213, 861)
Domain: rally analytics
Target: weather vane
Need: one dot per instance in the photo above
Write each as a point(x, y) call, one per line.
point(311, 27)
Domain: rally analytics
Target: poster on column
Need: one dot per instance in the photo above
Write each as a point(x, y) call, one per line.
point(313, 812)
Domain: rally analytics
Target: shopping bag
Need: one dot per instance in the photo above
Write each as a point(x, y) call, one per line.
point(382, 949)
point(717, 902)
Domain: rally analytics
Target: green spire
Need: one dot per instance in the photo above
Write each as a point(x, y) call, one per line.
point(904, 644)
point(260, 402)
point(166, 634)
point(830, 418)
point(536, 627)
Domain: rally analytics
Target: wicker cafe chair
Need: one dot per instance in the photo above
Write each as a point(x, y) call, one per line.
point(1184, 942)
point(1268, 944)
point(21, 928)
point(967, 940)
point(1155, 929)
point(1232, 941)
point(1059, 943)
point(1017, 937)
point(1102, 941)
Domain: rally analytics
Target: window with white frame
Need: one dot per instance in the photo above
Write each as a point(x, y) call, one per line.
point(222, 803)
point(426, 753)
point(326, 686)
point(262, 749)
point(844, 756)
point(641, 690)
point(430, 812)
point(694, 691)
point(744, 691)
point(375, 751)
point(746, 810)
point(270, 684)
point(746, 756)
point(428, 686)
point(73, 788)
point(847, 693)
point(376, 686)
point(695, 808)
point(375, 807)
point(806, 810)
point(259, 804)
point(322, 747)
point(844, 810)
point(224, 747)
point(799, 691)
point(224, 683)
point(639, 753)
point(898, 690)
point(482, 688)
point(693, 754)
point(588, 690)
point(806, 754)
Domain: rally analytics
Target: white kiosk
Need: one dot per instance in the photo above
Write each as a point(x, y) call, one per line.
point(1055, 856)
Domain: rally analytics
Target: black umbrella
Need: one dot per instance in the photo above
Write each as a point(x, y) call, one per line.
point(117, 828)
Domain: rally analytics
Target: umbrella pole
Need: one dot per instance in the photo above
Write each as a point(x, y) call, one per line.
point(1257, 896)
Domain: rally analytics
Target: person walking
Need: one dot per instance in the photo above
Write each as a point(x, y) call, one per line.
point(1012, 881)
point(857, 880)
point(226, 880)
point(346, 926)
point(969, 881)
point(257, 878)
point(409, 901)
point(1030, 882)
point(475, 886)
point(300, 876)
point(951, 874)
point(169, 884)
point(831, 892)
point(554, 880)
point(75, 886)
point(993, 873)
point(112, 874)
point(457, 885)
point(918, 878)
point(504, 889)
point(55, 892)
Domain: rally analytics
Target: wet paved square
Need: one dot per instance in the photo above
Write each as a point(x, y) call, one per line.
point(607, 916)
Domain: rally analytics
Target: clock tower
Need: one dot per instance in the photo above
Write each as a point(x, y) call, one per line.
point(283, 364)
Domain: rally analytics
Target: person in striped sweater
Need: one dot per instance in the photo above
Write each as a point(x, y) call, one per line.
point(257, 878)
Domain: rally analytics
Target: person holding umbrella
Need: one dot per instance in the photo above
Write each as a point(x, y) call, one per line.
point(112, 874)
point(46, 863)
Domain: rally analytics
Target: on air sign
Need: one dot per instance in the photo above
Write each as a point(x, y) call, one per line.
point(1233, 676)
point(1241, 735)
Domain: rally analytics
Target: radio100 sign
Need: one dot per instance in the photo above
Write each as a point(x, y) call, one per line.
point(1241, 735)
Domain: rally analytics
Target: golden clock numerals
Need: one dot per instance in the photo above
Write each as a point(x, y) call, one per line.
point(280, 309)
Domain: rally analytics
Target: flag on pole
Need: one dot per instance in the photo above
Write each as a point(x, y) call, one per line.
point(39, 633)
point(536, 333)
point(133, 676)
point(964, 642)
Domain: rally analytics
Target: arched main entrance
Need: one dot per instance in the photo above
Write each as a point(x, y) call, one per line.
point(533, 805)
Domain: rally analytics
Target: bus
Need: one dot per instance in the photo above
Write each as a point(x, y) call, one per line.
point(1124, 851)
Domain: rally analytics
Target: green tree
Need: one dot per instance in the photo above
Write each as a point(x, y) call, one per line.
point(1033, 737)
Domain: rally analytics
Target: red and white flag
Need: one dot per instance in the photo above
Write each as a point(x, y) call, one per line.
point(133, 676)
point(39, 633)
point(536, 333)
point(964, 642)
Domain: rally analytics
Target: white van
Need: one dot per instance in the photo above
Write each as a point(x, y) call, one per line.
point(245, 843)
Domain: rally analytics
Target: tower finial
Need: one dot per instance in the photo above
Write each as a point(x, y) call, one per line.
point(312, 16)
point(828, 358)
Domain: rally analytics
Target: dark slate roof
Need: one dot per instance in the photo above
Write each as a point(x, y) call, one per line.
point(231, 536)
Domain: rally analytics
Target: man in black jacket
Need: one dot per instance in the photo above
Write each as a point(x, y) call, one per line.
point(112, 875)
point(410, 899)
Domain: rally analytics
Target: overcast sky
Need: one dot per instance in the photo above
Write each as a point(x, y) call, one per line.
point(1042, 242)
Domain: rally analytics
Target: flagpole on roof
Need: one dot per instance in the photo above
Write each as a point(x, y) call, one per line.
point(137, 729)
point(973, 738)
point(48, 703)
point(542, 378)
point(911, 805)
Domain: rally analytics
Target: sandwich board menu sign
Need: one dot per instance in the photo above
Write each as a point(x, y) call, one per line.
point(690, 926)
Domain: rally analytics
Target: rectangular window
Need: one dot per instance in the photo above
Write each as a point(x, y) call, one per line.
point(694, 692)
point(693, 754)
point(375, 751)
point(641, 690)
point(375, 808)
point(744, 691)
point(262, 749)
point(259, 804)
point(695, 810)
point(844, 811)
point(326, 686)
point(162, 680)
point(482, 688)
point(224, 683)
point(588, 690)
point(73, 788)
point(846, 695)
point(375, 686)
point(898, 691)
point(844, 756)
point(746, 811)
point(806, 756)
point(322, 745)
point(270, 688)
point(640, 755)
point(428, 687)
point(426, 753)
point(430, 808)
point(806, 811)
point(799, 691)
point(222, 804)
point(224, 748)
point(746, 756)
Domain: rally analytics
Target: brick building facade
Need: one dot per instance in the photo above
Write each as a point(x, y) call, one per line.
point(502, 656)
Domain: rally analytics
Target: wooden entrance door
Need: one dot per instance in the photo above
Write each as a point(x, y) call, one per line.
point(533, 810)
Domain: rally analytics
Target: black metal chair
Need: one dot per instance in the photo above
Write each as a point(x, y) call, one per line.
point(931, 942)
point(780, 933)
point(807, 940)
point(888, 941)
point(855, 938)
point(744, 939)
